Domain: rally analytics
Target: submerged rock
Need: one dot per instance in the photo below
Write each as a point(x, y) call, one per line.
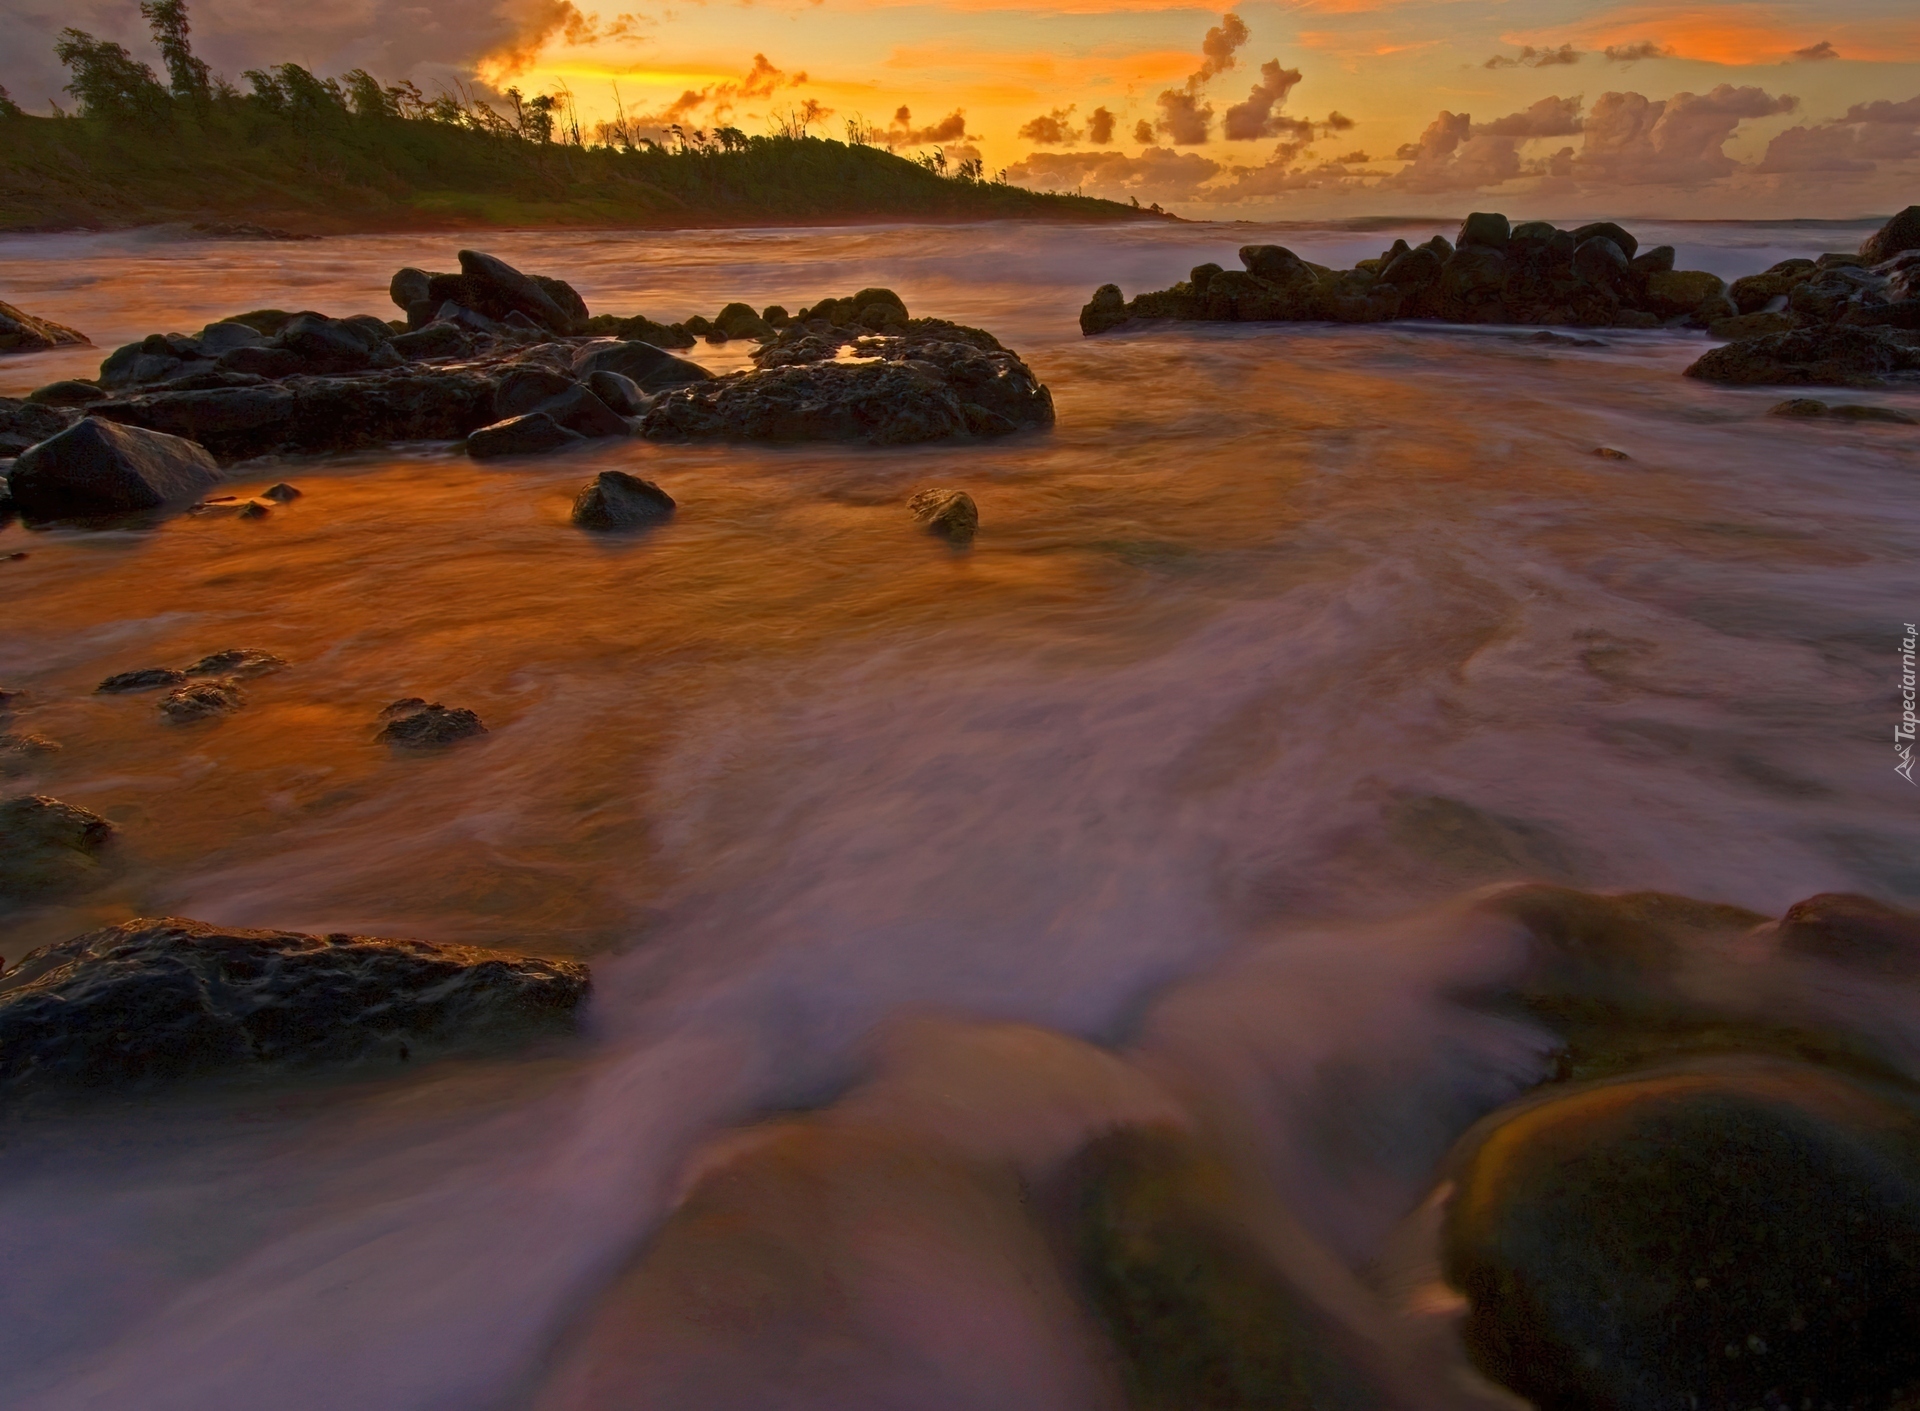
point(21, 332)
point(147, 678)
point(97, 468)
point(158, 1001)
point(72, 392)
point(241, 662)
point(948, 513)
point(201, 701)
point(617, 500)
point(1733, 1235)
point(1855, 932)
point(534, 434)
point(49, 848)
point(27, 423)
point(416, 722)
point(1838, 356)
point(1810, 407)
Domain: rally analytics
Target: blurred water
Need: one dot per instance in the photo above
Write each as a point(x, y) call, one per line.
point(1284, 630)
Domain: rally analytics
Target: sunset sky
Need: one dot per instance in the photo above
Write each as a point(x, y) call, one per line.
point(1307, 109)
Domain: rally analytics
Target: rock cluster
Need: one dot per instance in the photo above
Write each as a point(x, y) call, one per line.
point(157, 1001)
point(21, 332)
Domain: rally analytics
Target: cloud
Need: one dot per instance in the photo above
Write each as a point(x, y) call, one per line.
point(1630, 140)
point(1550, 117)
point(1157, 174)
point(1869, 134)
point(1100, 126)
point(1256, 117)
point(1635, 52)
point(902, 133)
point(1532, 58)
point(1143, 132)
point(762, 80)
point(1822, 50)
point(1184, 118)
point(1218, 48)
point(1449, 157)
point(1053, 129)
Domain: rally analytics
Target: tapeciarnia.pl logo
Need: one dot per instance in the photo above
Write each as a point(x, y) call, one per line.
point(1903, 732)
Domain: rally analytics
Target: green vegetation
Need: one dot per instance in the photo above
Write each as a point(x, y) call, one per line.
point(322, 155)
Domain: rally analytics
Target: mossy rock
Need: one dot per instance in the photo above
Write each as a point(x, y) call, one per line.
point(1708, 1239)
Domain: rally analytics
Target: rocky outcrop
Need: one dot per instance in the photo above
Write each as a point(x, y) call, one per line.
point(21, 332)
point(617, 500)
point(153, 1002)
point(50, 849)
point(1832, 356)
point(96, 469)
point(951, 514)
point(914, 380)
point(1897, 236)
point(416, 723)
point(28, 423)
point(493, 289)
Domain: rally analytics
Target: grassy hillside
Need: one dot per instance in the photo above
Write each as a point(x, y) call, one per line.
point(322, 172)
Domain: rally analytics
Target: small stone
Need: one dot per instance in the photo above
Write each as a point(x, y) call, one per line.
point(48, 848)
point(201, 700)
point(416, 722)
point(950, 513)
point(1854, 411)
point(617, 500)
point(148, 678)
point(1798, 406)
point(534, 434)
point(71, 392)
point(252, 509)
point(1608, 453)
point(280, 494)
point(241, 662)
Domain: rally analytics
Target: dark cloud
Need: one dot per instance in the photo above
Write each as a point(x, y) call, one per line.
point(1550, 117)
point(1184, 118)
point(1635, 52)
point(1256, 118)
point(1822, 50)
point(902, 133)
point(1532, 58)
point(1054, 130)
point(1218, 48)
point(1100, 126)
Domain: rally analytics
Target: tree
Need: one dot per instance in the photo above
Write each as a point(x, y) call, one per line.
point(8, 108)
point(109, 82)
point(192, 82)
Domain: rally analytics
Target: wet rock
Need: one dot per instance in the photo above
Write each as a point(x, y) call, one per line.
point(414, 722)
point(1749, 326)
point(1484, 228)
point(147, 678)
point(263, 361)
point(951, 514)
point(20, 753)
point(1600, 262)
point(1897, 235)
point(244, 663)
point(1809, 407)
point(21, 332)
point(49, 848)
point(641, 329)
point(1609, 453)
point(1106, 309)
point(617, 500)
point(528, 388)
point(1274, 262)
point(1658, 260)
point(740, 321)
point(647, 367)
point(324, 344)
point(152, 1002)
point(97, 468)
point(24, 424)
point(227, 335)
point(1834, 357)
point(281, 493)
point(1730, 1235)
point(69, 393)
point(1855, 932)
point(201, 700)
point(620, 393)
point(222, 418)
point(493, 288)
point(1624, 239)
point(934, 381)
point(437, 339)
point(410, 286)
point(535, 434)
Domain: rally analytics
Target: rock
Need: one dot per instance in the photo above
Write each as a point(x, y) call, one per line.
point(242, 662)
point(1835, 357)
point(49, 849)
point(1749, 326)
point(934, 381)
point(281, 493)
point(775, 315)
point(620, 393)
point(1855, 932)
point(1899, 234)
point(1798, 406)
point(1609, 453)
point(617, 500)
point(528, 387)
point(1414, 271)
point(232, 421)
point(416, 722)
point(1275, 262)
point(949, 513)
point(152, 1001)
point(68, 393)
point(1658, 260)
point(23, 333)
point(1903, 313)
point(1682, 291)
point(568, 300)
point(640, 329)
point(1202, 276)
point(493, 287)
point(223, 337)
point(649, 368)
point(245, 230)
point(24, 424)
point(324, 344)
point(438, 339)
point(97, 468)
point(201, 700)
point(534, 434)
point(1600, 262)
point(740, 321)
point(1607, 230)
point(1729, 1235)
point(579, 411)
point(1484, 228)
point(1808, 407)
point(21, 753)
point(1106, 309)
point(265, 361)
point(147, 678)
point(410, 286)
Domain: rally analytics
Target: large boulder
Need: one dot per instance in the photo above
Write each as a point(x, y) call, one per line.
point(1606, 230)
point(534, 434)
point(21, 332)
point(1106, 309)
point(1841, 356)
point(1486, 228)
point(617, 500)
point(96, 468)
point(492, 287)
point(1728, 1236)
point(50, 849)
point(27, 423)
point(648, 367)
point(1682, 291)
point(1900, 233)
point(156, 1001)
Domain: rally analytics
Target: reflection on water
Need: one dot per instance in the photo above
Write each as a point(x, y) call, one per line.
point(1280, 626)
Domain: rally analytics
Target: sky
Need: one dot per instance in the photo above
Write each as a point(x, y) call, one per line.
point(1307, 109)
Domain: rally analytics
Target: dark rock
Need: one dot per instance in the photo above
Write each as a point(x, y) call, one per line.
point(578, 410)
point(266, 322)
point(23, 333)
point(1722, 1236)
point(97, 468)
point(416, 722)
point(535, 434)
point(740, 321)
point(640, 329)
point(224, 337)
point(20, 754)
point(698, 326)
point(650, 368)
point(1834, 357)
point(24, 424)
point(1414, 271)
point(324, 344)
point(1107, 309)
point(1533, 232)
point(409, 286)
point(201, 700)
point(775, 315)
point(1607, 230)
point(617, 500)
point(1856, 932)
point(520, 323)
point(433, 340)
point(157, 1001)
point(1600, 262)
point(465, 318)
point(281, 493)
point(199, 377)
point(528, 387)
point(1682, 291)
point(495, 288)
point(218, 418)
point(69, 393)
point(1658, 260)
point(1900, 233)
point(242, 662)
point(1275, 262)
point(1798, 406)
point(1903, 313)
point(49, 849)
point(1474, 275)
point(1808, 407)
point(263, 361)
point(245, 230)
point(951, 514)
point(147, 678)
point(1484, 228)
point(369, 328)
point(567, 299)
point(620, 393)
point(1202, 276)
point(1749, 326)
